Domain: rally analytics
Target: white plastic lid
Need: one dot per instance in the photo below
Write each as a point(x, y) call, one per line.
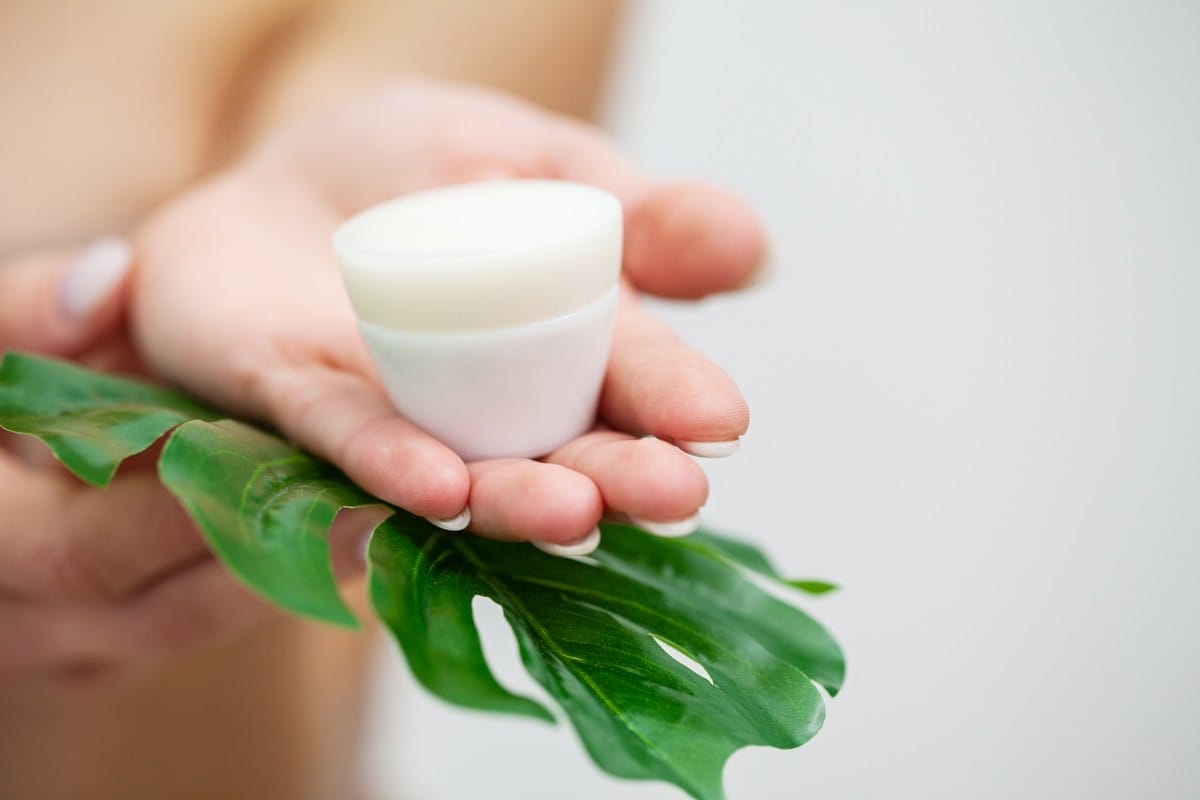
point(481, 255)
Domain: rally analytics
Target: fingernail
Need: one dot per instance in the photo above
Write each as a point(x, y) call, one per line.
point(583, 547)
point(456, 523)
point(710, 449)
point(679, 527)
point(92, 276)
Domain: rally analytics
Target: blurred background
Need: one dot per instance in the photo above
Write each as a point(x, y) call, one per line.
point(974, 382)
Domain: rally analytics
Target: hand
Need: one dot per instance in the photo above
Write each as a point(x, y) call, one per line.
point(96, 586)
point(238, 299)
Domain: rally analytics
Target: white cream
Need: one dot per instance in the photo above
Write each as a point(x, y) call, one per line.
point(489, 308)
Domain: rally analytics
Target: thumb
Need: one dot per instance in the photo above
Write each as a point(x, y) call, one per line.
point(682, 240)
point(687, 241)
point(64, 302)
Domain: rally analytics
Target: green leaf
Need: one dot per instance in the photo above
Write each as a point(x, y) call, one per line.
point(91, 421)
point(594, 632)
point(587, 631)
point(421, 594)
point(754, 559)
point(690, 571)
point(265, 509)
point(813, 586)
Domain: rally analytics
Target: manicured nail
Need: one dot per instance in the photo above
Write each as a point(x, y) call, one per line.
point(456, 523)
point(92, 276)
point(679, 527)
point(583, 547)
point(710, 449)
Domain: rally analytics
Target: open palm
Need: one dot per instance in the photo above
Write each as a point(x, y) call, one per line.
point(238, 298)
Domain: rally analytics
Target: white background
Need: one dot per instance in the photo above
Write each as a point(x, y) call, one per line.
point(975, 384)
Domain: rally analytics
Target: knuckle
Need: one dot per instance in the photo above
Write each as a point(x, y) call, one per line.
point(284, 394)
point(247, 377)
point(297, 403)
point(365, 452)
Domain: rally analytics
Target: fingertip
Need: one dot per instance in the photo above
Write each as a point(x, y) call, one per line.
point(441, 490)
point(565, 509)
point(691, 240)
point(695, 402)
point(417, 473)
point(526, 500)
point(658, 483)
point(647, 478)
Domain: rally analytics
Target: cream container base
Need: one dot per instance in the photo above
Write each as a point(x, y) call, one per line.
point(519, 391)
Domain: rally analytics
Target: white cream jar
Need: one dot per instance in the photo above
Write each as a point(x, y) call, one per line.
point(488, 308)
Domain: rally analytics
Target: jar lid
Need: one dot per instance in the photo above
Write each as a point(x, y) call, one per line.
point(481, 255)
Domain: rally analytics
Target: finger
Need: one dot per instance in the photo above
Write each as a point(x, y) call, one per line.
point(62, 302)
point(576, 151)
point(521, 500)
point(652, 482)
point(345, 418)
point(659, 386)
point(682, 240)
point(66, 542)
point(689, 240)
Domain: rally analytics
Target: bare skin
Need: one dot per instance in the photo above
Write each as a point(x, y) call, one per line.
point(121, 104)
point(142, 670)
